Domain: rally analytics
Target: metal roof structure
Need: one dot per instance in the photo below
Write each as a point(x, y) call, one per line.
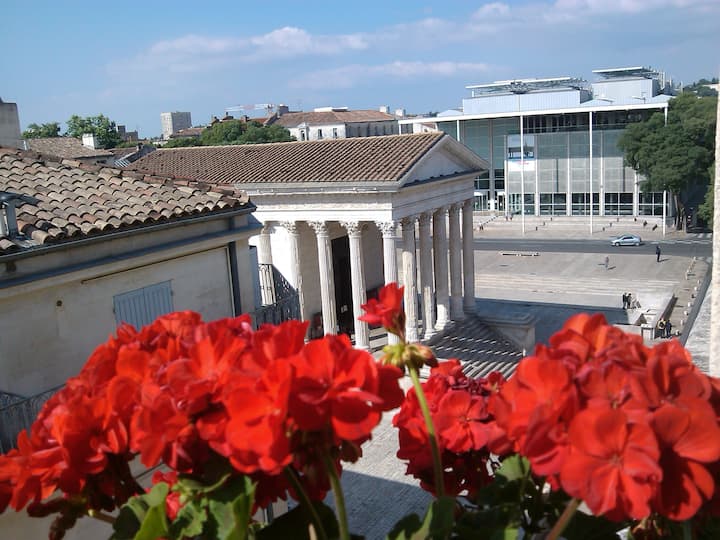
point(637, 71)
point(523, 86)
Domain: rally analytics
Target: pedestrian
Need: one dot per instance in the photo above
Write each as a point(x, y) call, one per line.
point(607, 262)
point(668, 328)
point(625, 301)
point(657, 252)
point(661, 326)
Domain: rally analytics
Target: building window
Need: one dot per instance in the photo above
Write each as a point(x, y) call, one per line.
point(650, 204)
point(302, 134)
point(334, 133)
point(142, 306)
point(319, 134)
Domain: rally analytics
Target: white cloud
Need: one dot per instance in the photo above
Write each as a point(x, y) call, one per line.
point(624, 6)
point(196, 53)
point(356, 74)
point(290, 41)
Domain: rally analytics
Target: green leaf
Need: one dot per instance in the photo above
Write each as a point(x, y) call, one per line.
point(438, 523)
point(189, 521)
point(294, 524)
point(141, 514)
point(229, 508)
point(154, 525)
point(587, 527)
point(513, 467)
point(189, 484)
point(508, 533)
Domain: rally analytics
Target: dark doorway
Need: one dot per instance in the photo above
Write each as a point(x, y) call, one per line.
point(343, 284)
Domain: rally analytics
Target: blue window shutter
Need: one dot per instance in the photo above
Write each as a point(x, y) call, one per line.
point(142, 306)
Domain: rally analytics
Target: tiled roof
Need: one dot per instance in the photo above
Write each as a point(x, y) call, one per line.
point(65, 147)
point(294, 119)
point(188, 132)
point(77, 200)
point(362, 159)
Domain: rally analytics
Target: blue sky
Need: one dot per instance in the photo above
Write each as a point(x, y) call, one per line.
point(132, 61)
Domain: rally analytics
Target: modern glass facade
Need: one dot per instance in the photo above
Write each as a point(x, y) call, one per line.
point(554, 176)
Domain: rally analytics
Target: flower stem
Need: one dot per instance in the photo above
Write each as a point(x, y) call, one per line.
point(437, 468)
point(101, 516)
point(339, 498)
point(564, 519)
point(306, 502)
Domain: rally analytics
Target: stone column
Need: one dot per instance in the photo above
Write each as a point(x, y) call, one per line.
point(357, 277)
point(468, 257)
point(296, 278)
point(390, 268)
point(456, 300)
point(264, 253)
point(440, 252)
point(327, 278)
point(426, 276)
point(409, 278)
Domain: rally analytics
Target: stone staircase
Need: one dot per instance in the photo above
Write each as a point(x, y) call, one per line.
point(688, 297)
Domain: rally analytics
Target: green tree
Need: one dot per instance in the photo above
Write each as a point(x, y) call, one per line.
point(49, 129)
point(701, 89)
point(181, 142)
point(707, 209)
point(228, 132)
point(675, 157)
point(257, 133)
point(101, 126)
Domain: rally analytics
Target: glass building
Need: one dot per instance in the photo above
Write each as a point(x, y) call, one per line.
point(552, 143)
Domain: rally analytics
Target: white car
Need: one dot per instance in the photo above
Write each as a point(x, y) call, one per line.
point(626, 240)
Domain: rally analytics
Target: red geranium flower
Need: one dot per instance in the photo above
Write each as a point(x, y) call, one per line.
point(689, 438)
point(612, 465)
point(387, 310)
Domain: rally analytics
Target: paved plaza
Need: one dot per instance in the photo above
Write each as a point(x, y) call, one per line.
point(550, 287)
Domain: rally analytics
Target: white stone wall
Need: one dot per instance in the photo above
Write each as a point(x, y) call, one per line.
point(47, 334)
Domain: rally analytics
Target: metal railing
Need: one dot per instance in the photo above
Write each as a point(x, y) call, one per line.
point(281, 299)
point(18, 413)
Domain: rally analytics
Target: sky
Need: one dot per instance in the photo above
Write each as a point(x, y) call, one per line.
point(133, 61)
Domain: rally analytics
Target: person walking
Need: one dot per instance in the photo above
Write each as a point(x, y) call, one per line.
point(668, 328)
point(661, 326)
point(625, 300)
point(607, 262)
point(657, 252)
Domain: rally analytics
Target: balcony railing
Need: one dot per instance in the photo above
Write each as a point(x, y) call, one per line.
point(18, 413)
point(281, 300)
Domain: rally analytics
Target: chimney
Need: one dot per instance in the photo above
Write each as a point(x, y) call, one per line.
point(282, 109)
point(400, 113)
point(8, 217)
point(89, 141)
point(385, 109)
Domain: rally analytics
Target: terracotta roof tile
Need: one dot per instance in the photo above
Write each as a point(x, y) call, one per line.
point(364, 159)
point(76, 201)
point(65, 147)
point(318, 118)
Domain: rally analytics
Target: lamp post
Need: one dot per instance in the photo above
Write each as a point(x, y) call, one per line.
point(591, 174)
point(522, 174)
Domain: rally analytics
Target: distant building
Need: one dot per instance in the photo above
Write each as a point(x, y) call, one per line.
point(172, 122)
point(540, 135)
point(188, 133)
point(127, 135)
point(335, 123)
point(84, 151)
point(10, 136)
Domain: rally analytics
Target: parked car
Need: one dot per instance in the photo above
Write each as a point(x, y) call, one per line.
point(626, 240)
